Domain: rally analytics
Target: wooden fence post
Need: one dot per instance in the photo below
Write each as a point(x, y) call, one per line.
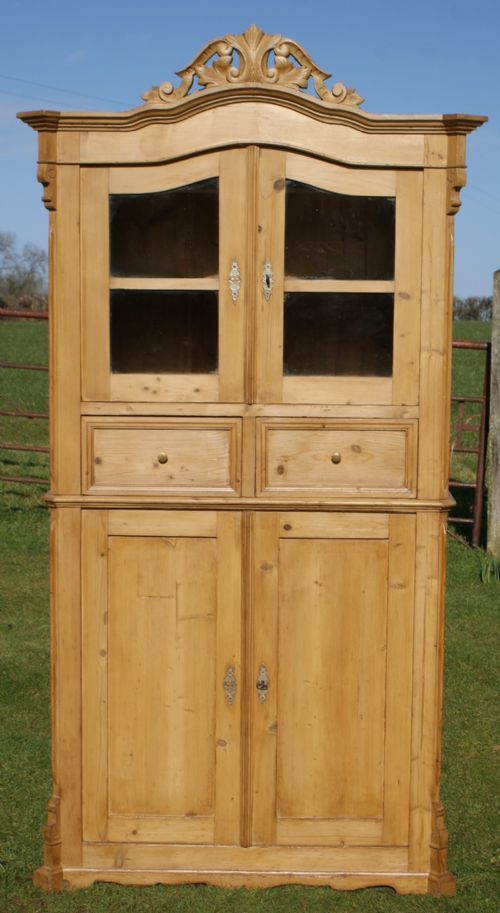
point(494, 434)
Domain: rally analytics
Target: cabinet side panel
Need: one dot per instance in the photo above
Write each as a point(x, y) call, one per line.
point(399, 678)
point(64, 327)
point(435, 336)
point(94, 673)
point(66, 685)
point(406, 366)
point(427, 684)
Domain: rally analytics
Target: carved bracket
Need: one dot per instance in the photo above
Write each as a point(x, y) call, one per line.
point(46, 174)
point(253, 58)
point(456, 180)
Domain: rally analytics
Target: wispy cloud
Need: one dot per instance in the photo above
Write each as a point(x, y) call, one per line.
point(75, 57)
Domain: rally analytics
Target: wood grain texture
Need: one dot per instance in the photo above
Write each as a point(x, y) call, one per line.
point(203, 388)
point(401, 584)
point(402, 883)
point(64, 332)
point(309, 410)
point(156, 178)
point(163, 522)
point(333, 525)
point(270, 250)
point(176, 456)
point(427, 683)
point(336, 178)
point(338, 390)
point(435, 340)
point(94, 184)
point(233, 204)
point(166, 764)
point(331, 458)
point(95, 741)
point(407, 290)
point(228, 722)
point(161, 710)
point(66, 664)
point(331, 680)
point(252, 122)
point(302, 861)
point(264, 653)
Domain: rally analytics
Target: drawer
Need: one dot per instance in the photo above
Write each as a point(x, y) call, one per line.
point(332, 458)
point(173, 456)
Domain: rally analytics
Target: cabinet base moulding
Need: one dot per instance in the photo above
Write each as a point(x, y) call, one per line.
point(408, 883)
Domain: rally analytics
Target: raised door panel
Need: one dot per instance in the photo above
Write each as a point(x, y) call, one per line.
point(331, 725)
point(338, 285)
point(163, 252)
point(161, 632)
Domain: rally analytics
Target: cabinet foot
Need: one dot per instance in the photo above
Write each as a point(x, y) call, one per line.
point(49, 876)
point(442, 885)
point(441, 882)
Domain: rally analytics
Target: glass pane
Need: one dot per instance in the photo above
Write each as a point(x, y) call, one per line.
point(172, 234)
point(335, 236)
point(163, 332)
point(338, 334)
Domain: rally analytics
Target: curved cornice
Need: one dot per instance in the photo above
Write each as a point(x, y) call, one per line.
point(144, 116)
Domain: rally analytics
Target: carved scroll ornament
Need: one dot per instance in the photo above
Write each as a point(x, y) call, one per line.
point(262, 59)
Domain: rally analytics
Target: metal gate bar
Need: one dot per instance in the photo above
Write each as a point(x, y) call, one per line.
point(461, 426)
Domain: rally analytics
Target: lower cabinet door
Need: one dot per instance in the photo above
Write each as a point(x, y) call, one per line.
point(161, 676)
point(332, 657)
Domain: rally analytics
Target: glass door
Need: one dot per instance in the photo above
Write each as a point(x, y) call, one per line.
point(163, 293)
point(340, 265)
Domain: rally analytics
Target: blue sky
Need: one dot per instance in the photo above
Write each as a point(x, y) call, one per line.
point(424, 56)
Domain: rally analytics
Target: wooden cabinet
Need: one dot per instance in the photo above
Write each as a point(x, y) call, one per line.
point(250, 348)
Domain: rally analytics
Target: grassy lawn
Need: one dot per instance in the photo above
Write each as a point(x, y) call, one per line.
point(469, 759)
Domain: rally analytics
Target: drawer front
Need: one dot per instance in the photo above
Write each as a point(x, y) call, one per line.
point(169, 457)
point(335, 458)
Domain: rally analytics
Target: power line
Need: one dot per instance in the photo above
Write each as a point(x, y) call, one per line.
point(485, 193)
point(48, 101)
point(41, 85)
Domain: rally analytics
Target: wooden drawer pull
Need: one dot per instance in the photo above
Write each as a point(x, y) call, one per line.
point(336, 457)
point(162, 458)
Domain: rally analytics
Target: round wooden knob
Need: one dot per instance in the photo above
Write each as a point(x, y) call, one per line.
point(162, 458)
point(336, 458)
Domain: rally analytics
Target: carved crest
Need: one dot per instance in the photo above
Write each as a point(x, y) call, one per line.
point(253, 58)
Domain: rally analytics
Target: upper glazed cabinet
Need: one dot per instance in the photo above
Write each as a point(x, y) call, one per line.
point(251, 275)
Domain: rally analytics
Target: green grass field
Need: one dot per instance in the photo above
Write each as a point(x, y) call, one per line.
point(470, 756)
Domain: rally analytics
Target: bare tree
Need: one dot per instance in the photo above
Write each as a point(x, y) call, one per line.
point(473, 308)
point(23, 274)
